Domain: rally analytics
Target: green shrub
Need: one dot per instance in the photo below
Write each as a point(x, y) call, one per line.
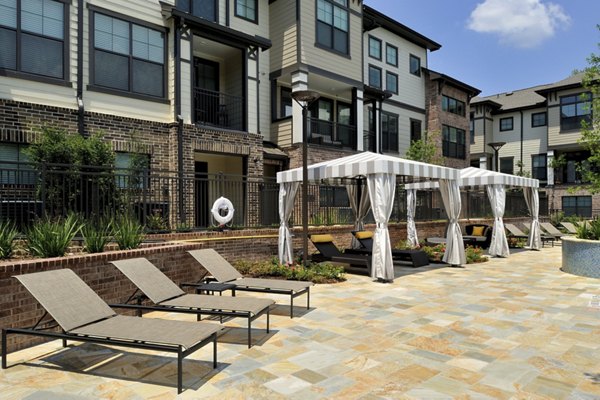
point(557, 217)
point(475, 255)
point(51, 237)
point(156, 222)
point(588, 230)
point(8, 233)
point(127, 231)
point(317, 273)
point(96, 235)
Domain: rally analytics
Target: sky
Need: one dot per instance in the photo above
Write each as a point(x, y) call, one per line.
point(499, 46)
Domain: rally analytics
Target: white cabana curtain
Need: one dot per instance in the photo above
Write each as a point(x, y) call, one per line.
point(411, 206)
point(533, 203)
point(382, 188)
point(499, 244)
point(455, 250)
point(287, 195)
point(360, 208)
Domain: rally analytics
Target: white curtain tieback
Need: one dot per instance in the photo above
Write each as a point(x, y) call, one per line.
point(381, 225)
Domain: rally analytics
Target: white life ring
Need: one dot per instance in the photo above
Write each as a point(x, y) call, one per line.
point(222, 204)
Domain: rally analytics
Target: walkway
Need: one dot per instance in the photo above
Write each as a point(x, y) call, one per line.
point(510, 328)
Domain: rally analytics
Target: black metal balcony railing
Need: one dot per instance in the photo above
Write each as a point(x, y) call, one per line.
point(218, 109)
point(369, 141)
point(332, 133)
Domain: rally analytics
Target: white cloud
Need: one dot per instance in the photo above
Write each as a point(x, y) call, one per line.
point(520, 23)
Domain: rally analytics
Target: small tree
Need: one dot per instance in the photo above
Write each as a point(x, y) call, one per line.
point(590, 130)
point(426, 149)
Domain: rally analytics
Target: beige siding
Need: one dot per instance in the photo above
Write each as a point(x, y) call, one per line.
point(411, 88)
point(282, 32)
point(282, 132)
point(477, 146)
point(327, 60)
point(555, 136)
point(261, 28)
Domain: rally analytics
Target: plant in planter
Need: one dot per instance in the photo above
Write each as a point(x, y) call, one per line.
point(52, 237)
point(128, 232)
point(8, 233)
point(96, 235)
point(475, 255)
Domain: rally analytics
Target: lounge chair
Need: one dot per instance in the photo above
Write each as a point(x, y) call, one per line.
point(329, 252)
point(84, 317)
point(519, 234)
point(417, 258)
point(551, 230)
point(572, 229)
point(224, 272)
point(167, 296)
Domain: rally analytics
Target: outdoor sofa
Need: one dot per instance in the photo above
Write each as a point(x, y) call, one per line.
point(222, 271)
point(479, 235)
point(169, 297)
point(83, 316)
point(416, 257)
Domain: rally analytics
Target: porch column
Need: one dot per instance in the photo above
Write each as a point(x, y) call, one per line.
point(299, 82)
point(549, 169)
point(359, 119)
point(483, 162)
point(377, 122)
point(186, 83)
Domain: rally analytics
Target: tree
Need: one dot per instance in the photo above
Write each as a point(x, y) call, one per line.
point(590, 130)
point(426, 149)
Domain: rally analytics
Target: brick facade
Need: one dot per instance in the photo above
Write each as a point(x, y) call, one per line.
point(316, 154)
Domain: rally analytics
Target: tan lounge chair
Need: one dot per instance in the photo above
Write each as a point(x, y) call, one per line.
point(519, 234)
point(572, 229)
point(168, 297)
point(223, 272)
point(84, 317)
point(551, 230)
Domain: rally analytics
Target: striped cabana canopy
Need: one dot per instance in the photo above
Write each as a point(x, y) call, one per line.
point(367, 163)
point(472, 176)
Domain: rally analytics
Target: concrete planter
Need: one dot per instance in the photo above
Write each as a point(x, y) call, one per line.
point(581, 257)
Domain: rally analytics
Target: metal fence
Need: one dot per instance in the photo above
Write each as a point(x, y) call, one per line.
point(164, 200)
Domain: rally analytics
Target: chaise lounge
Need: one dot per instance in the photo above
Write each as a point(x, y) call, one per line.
point(224, 272)
point(84, 317)
point(329, 252)
point(519, 234)
point(168, 297)
point(417, 258)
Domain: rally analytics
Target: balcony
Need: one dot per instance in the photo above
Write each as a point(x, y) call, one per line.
point(218, 109)
point(369, 141)
point(331, 133)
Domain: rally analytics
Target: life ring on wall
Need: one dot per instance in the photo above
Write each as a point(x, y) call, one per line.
point(222, 204)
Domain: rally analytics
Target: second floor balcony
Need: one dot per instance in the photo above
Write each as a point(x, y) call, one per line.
point(331, 133)
point(218, 109)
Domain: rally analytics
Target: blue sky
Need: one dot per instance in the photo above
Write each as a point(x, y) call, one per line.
point(503, 45)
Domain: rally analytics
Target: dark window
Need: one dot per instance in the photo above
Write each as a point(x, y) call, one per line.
point(333, 196)
point(574, 109)
point(391, 55)
point(472, 129)
point(539, 167)
point(453, 143)
point(577, 205)
point(286, 102)
point(32, 37)
point(206, 9)
point(374, 76)
point(247, 9)
point(506, 124)
point(374, 48)
point(332, 24)
point(538, 119)
point(132, 170)
point(415, 65)
point(453, 106)
point(415, 130)
point(391, 82)
point(14, 169)
point(389, 131)
point(507, 165)
point(128, 57)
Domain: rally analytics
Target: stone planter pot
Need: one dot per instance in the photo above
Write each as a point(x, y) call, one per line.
point(581, 257)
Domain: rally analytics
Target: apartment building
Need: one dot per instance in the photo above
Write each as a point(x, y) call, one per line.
point(204, 87)
point(538, 125)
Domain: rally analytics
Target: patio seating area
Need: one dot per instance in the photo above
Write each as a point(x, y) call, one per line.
point(513, 327)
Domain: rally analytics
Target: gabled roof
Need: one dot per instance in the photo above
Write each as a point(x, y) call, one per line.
point(374, 19)
point(524, 98)
point(572, 81)
point(435, 76)
point(472, 176)
point(368, 163)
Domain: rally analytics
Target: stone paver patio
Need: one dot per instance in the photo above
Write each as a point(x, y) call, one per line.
point(510, 328)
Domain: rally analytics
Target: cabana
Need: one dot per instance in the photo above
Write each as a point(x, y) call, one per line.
point(380, 172)
point(496, 183)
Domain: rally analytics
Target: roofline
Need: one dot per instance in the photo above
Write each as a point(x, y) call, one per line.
point(487, 101)
point(545, 91)
point(381, 20)
point(472, 91)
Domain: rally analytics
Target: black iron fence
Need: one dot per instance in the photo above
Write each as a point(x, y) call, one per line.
point(162, 200)
point(218, 109)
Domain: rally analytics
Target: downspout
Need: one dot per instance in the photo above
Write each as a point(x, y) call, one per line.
point(521, 163)
point(179, 119)
point(80, 107)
